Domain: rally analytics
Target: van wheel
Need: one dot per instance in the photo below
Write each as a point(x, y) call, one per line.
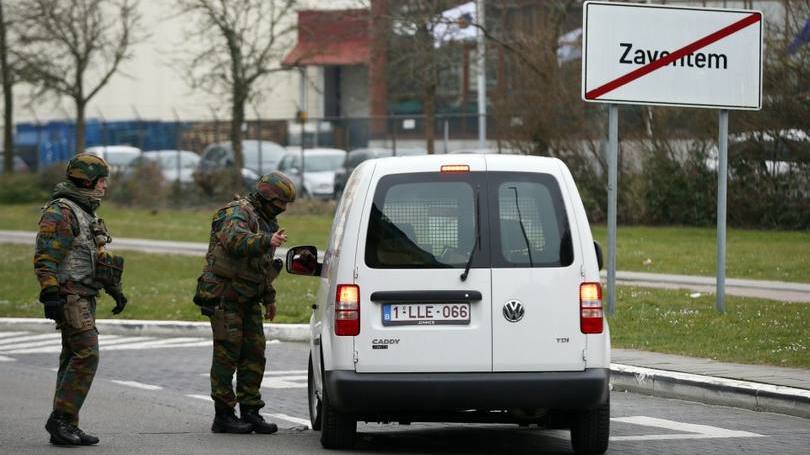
point(337, 428)
point(315, 406)
point(590, 430)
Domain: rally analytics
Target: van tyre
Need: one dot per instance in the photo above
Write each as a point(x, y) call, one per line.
point(315, 405)
point(590, 430)
point(337, 428)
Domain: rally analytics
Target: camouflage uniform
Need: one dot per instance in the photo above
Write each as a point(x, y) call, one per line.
point(69, 247)
point(238, 275)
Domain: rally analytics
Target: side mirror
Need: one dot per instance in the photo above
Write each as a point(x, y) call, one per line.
point(303, 260)
point(599, 259)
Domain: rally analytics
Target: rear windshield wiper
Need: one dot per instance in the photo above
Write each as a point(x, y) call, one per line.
point(477, 235)
point(522, 227)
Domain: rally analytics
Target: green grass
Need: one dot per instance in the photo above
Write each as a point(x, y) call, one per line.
point(180, 225)
point(763, 255)
point(751, 331)
point(157, 286)
point(760, 255)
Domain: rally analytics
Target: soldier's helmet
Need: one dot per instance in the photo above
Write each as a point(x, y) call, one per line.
point(87, 168)
point(276, 185)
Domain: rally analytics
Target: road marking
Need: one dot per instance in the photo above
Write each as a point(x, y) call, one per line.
point(694, 431)
point(284, 382)
point(11, 334)
point(137, 385)
point(46, 336)
point(298, 420)
point(6, 359)
point(276, 415)
point(284, 372)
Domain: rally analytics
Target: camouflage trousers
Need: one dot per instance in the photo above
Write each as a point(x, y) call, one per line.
point(77, 362)
point(239, 346)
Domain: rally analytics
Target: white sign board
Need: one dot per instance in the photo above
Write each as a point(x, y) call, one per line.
point(672, 56)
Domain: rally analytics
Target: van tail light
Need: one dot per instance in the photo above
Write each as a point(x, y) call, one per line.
point(591, 316)
point(347, 310)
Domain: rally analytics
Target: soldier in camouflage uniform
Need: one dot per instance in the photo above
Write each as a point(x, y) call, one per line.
point(237, 277)
point(72, 266)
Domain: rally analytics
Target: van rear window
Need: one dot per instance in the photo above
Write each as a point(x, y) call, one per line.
point(428, 220)
point(421, 221)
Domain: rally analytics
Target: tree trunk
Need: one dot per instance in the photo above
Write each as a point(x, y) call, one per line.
point(8, 99)
point(80, 108)
point(430, 116)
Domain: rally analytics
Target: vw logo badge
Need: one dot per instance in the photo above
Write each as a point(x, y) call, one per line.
point(513, 311)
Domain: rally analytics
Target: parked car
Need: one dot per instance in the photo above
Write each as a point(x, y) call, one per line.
point(357, 156)
point(117, 156)
point(218, 157)
point(459, 288)
point(19, 165)
point(313, 170)
point(174, 165)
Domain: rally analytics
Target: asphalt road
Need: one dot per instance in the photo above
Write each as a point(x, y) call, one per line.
point(151, 396)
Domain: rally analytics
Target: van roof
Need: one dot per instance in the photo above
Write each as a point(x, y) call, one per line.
point(477, 162)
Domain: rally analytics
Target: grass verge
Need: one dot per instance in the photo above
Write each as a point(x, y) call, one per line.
point(157, 286)
point(752, 330)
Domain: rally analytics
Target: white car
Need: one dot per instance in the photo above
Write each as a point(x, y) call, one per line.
point(175, 165)
point(459, 288)
point(117, 156)
point(313, 170)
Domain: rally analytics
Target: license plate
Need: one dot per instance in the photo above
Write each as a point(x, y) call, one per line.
point(425, 313)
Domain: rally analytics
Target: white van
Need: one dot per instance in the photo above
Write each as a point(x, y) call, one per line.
point(461, 288)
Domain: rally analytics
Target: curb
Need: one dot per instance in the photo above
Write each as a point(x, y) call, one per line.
point(135, 327)
point(648, 381)
point(755, 396)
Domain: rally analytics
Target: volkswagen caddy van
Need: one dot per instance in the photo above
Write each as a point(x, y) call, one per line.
point(459, 288)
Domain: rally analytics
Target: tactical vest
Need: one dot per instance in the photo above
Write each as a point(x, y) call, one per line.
point(256, 272)
point(79, 265)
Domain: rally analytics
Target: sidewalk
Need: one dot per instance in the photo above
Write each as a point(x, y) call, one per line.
point(755, 387)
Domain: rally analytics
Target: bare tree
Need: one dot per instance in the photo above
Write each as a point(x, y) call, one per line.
point(235, 44)
point(7, 76)
point(419, 50)
point(73, 47)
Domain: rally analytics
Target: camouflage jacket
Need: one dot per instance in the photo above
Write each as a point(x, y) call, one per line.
point(239, 255)
point(59, 234)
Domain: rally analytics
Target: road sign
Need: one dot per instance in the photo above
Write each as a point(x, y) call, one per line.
point(674, 56)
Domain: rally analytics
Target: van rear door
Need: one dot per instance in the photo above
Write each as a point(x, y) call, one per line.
point(535, 273)
point(417, 235)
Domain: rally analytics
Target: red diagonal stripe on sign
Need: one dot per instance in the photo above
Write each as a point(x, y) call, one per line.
point(753, 18)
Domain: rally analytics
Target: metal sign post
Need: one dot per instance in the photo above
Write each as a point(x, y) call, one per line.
point(613, 190)
point(722, 174)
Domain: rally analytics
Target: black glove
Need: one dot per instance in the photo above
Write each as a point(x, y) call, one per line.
point(120, 300)
point(207, 310)
point(52, 303)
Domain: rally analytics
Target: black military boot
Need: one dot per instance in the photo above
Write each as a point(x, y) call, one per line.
point(61, 431)
point(86, 439)
point(225, 421)
point(252, 416)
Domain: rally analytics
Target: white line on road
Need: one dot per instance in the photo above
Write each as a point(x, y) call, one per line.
point(137, 385)
point(32, 344)
point(276, 415)
point(45, 336)
point(292, 419)
point(165, 343)
point(697, 431)
point(284, 382)
point(11, 334)
point(284, 372)
point(6, 359)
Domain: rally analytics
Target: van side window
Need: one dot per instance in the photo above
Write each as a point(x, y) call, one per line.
point(428, 223)
point(532, 227)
